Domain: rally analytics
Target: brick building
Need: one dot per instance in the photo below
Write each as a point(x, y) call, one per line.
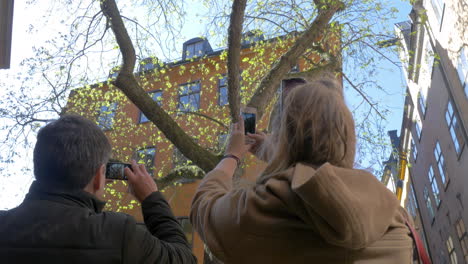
point(193, 90)
point(434, 53)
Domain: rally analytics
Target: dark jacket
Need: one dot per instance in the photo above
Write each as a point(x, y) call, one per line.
point(302, 215)
point(70, 227)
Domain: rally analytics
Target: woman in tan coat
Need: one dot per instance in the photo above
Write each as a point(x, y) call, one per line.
point(309, 205)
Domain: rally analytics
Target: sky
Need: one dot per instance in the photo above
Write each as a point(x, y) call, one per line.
point(16, 185)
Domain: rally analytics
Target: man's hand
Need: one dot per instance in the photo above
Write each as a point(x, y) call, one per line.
point(140, 181)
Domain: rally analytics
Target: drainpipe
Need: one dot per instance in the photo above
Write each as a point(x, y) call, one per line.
point(401, 178)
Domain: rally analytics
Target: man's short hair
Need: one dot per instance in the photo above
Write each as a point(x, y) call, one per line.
point(69, 151)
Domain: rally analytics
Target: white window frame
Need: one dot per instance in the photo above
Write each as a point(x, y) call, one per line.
point(157, 97)
point(106, 114)
point(434, 186)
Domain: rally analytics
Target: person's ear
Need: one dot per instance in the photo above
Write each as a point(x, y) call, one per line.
point(99, 178)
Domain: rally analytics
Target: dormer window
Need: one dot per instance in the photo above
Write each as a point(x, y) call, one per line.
point(251, 37)
point(194, 50)
point(196, 47)
point(149, 64)
point(114, 72)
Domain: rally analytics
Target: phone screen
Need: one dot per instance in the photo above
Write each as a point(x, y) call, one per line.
point(249, 122)
point(115, 170)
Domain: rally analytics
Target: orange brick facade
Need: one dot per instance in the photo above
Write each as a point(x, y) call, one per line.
point(127, 135)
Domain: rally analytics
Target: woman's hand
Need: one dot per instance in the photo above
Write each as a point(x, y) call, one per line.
point(258, 139)
point(237, 145)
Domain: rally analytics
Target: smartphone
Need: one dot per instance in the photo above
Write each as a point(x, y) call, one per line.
point(249, 115)
point(115, 170)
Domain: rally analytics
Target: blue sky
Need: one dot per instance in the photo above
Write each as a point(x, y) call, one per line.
point(15, 187)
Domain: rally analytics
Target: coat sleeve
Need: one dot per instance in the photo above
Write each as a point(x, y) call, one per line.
point(211, 196)
point(162, 241)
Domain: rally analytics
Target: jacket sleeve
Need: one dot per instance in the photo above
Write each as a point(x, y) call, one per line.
point(163, 240)
point(210, 195)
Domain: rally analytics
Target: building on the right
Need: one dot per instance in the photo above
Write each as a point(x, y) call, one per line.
point(433, 177)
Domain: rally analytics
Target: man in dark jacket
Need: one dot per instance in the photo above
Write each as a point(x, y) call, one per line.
point(61, 218)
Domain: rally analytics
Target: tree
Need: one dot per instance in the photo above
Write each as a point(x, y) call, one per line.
point(66, 62)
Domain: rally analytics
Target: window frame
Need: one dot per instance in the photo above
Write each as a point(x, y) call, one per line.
point(200, 44)
point(138, 158)
point(142, 116)
point(429, 205)
point(105, 118)
point(418, 130)
point(455, 128)
point(441, 166)
point(439, 10)
point(462, 69)
point(414, 150)
point(434, 186)
point(178, 158)
point(190, 93)
point(451, 250)
point(422, 104)
point(222, 140)
point(462, 235)
point(220, 87)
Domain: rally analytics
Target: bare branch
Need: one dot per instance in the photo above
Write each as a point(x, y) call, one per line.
point(372, 105)
point(266, 89)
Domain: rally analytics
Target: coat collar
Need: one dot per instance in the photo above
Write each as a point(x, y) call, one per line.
point(81, 198)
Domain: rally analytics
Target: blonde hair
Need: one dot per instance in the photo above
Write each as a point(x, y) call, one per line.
point(315, 127)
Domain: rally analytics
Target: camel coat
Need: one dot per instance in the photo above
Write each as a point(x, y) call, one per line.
point(302, 215)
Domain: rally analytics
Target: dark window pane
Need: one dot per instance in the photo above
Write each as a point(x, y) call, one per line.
point(146, 156)
point(156, 96)
point(106, 116)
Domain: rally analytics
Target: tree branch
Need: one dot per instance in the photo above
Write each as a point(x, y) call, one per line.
point(128, 84)
point(267, 87)
point(205, 116)
point(233, 57)
point(372, 105)
point(185, 172)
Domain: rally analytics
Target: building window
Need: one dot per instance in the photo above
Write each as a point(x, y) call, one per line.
point(435, 188)
point(429, 57)
point(187, 228)
point(223, 91)
point(114, 72)
point(462, 237)
point(418, 130)
point(462, 69)
point(189, 97)
point(146, 156)
point(439, 157)
point(414, 150)
point(194, 49)
point(179, 159)
point(157, 97)
point(422, 103)
point(454, 128)
point(427, 199)
point(412, 205)
point(147, 64)
point(222, 139)
point(106, 116)
point(438, 6)
point(451, 251)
